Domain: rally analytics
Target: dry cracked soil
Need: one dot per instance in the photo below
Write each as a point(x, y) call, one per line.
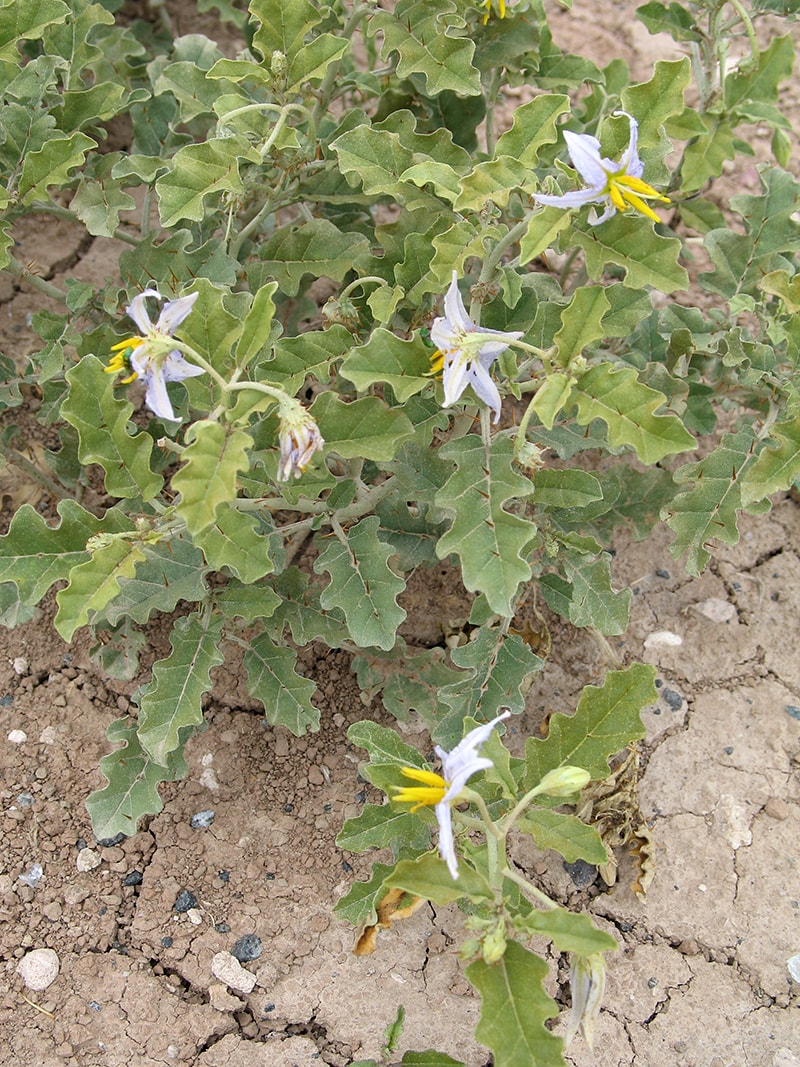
point(700, 979)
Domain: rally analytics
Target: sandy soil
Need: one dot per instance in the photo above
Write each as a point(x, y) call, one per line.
point(700, 979)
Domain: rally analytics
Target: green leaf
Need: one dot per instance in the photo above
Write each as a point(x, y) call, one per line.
point(199, 171)
point(498, 668)
point(27, 21)
point(117, 652)
point(362, 429)
point(94, 584)
point(98, 205)
point(777, 466)
point(102, 424)
point(654, 103)
point(586, 596)
point(12, 610)
point(581, 322)
point(237, 541)
point(33, 555)
point(606, 720)
point(257, 329)
point(248, 602)
point(543, 229)
point(428, 876)
point(533, 125)
point(707, 511)
point(668, 18)
point(168, 572)
point(272, 679)
point(362, 584)
point(407, 680)
point(760, 82)
point(514, 1009)
point(300, 608)
point(489, 541)
point(383, 745)
point(133, 780)
point(631, 243)
point(569, 932)
point(311, 355)
point(286, 28)
point(571, 488)
point(427, 42)
point(429, 1059)
point(172, 705)
point(566, 834)
point(627, 406)
point(387, 358)
point(382, 826)
point(208, 477)
point(51, 165)
point(359, 904)
point(315, 247)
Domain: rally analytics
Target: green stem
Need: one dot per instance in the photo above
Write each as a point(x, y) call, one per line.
point(332, 73)
point(16, 268)
point(748, 28)
point(537, 895)
point(361, 281)
point(496, 254)
point(31, 469)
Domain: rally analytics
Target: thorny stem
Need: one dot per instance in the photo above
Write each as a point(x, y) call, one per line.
point(505, 242)
point(16, 268)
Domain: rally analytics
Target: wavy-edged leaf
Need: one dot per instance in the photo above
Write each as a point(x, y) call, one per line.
point(404, 365)
point(571, 488)
point(581, 322)
point(199, 171)
point(133, 778)
point(566, 834)
point(208, 477)
point(94, 584)
point(286, 28)
point(606, 720)
point(359, 905)
point(382, 826)
point(51, 165)
point(22, 22)
point(488, 540)
point(168, 572)
point(272, 679)
point(363, 585)
point(236, 540)
point(569, 931)
point(301, 610)
point(102, 424)
point(248, 602)
point(514, 1009)
point(427, 876)
point(426, 41)
point(707, 512)
point(171, 706)
point(33, 555)
point(631, 243)
point(777, 466)
point(314, 247)
point(627, 407)
point(383, 745)
point(362, 429)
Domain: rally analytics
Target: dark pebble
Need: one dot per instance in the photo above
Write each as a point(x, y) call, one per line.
point(268, 1008)
point(346, 867)
point(775, 597)
point(361, 796)
point(184, 901)
point(659, 682)
point(793, 711)
point(166, 942)
point(222, 928)
point(247, 948)
point(25, 800)
point(224, 876)
point(288, 808)
point(133, 878)
point(80, 843)
point(109, 842)
point(6, 701)
point(270, 877)
point(675, 700)
point(728, 750)
point(661, 573)
point(95, 1006)
point(327, 808)
point(202, 820)
point(583, 874)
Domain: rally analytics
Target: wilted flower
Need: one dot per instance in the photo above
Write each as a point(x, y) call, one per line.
point(466, 351)
point(615, 185)
point(149, 357)
point(587, 981)
point(299, 439)
point(440, 791)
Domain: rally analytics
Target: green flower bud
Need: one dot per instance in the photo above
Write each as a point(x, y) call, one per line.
point(563, 781)
point(494, 944)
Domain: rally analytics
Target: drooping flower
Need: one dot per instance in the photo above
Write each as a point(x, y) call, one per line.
point(617, 186)
point(441, 791)
point(466, 352)
point(148, 356)
point(299, 439)
point(587, 980)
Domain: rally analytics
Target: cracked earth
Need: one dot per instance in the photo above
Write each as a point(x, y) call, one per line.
point(700, 979)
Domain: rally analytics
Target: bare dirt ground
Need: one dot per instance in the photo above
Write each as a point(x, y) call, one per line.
point(700, 979)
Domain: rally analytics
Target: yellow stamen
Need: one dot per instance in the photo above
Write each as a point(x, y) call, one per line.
point(638, 186)
point(616, 196)
point(119, 363)
point(421, 796)
point(418, 774)
point(129, 342)
point(437, 362)
point(639, 204)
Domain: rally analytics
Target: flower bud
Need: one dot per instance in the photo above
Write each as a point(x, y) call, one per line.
point(278, 64)
point(587, 981)
point(493, 947)
point(299, 439)
point(563, 781)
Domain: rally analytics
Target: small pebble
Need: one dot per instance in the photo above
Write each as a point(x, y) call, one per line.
point(21, 666)
point(6, 700)
point(227, 969)
point(202, 820)
point(33, 876)
point(184, 901)
point(776, 808)
point(166, 942)
point(675, 700)
point(689, 947)
point(793, 963)
point(133, 878)
point(47, 736)
point(109, 842)
point(17, 737)
point(88, 859)
point(222, 928)
point(224, 876)
point(661, 573)
point(583, 874)
point(25, 800)
point(662, 638)
point(247, 948)
point(790, 708)
point(195, 916)
point(38, 969)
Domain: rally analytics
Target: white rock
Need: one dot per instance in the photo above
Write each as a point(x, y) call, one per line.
point(17, 737)
point(716, 609)
point(88, 859)
point(195, 916)
point(21, 666)
point(39, 969)
point(794, 967)
point(228, 969)
point(48, 736)
point(662, 637)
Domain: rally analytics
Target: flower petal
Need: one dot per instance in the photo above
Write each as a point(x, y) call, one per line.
point(175, 368)
point(156, 397)
point(454, 309)
point(137, 310)
point(584, 151)
point(577, 198)
point(174, 312)
point(484, 388)
point(454, 377)
point(630, 163)
point(447, 848)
